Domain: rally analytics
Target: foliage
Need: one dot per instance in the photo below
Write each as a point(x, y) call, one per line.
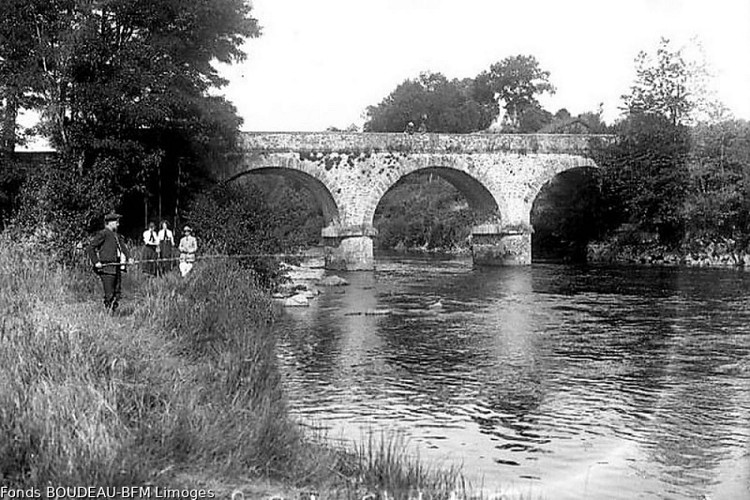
point(381, 463)
point(123, 87)
point(644, 175)
point(58, 208)
point(675, 170)
point(237, 220)
point(423, 212)
point(516, 81)
point(20, 77)
point(436, 104)
point(532, 119)
point(433, 103)
point(660, 86)
point(594, 122)
point(674, 83)
point(11, 179)
point(718, 199)
point(300, 215)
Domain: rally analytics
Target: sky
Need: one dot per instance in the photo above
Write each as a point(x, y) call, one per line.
point(320, 63)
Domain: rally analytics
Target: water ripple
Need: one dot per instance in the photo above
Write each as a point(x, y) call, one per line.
point(620, 382)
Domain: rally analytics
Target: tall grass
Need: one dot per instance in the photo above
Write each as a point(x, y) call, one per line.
point(188, 378)
point(185, 380)
point(58, 420)
point(380, 463)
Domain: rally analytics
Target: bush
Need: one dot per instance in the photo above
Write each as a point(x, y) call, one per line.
point(236, 220)
point(58, 206)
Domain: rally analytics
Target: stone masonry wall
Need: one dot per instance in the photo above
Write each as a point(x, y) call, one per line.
point(500, 175)
point(420, 143)
point(503, 184)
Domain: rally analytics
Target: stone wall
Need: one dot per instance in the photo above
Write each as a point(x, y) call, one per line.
point(349, 185)
point(424, 143)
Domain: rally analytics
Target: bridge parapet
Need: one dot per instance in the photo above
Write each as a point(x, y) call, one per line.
point(327, 142)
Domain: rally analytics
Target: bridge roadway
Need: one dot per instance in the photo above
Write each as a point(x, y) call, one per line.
point(348, 173)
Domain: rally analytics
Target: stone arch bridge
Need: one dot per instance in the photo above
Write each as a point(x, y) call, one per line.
point(348, 174)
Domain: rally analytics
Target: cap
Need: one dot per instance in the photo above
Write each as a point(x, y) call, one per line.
point(186, 229)
point(112, 216)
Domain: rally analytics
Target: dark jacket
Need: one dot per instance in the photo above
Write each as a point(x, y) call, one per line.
point(103, 248)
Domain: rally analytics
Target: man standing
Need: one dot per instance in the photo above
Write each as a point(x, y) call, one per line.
point(188, 247)
point(151, 249)
point(109, 254)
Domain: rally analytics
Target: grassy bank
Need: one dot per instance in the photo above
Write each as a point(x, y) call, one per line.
point(180, 388)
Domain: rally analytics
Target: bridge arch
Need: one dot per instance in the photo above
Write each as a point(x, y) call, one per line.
point(548, 170)
point(320, 192)
point(565, 215)
point(473, 183)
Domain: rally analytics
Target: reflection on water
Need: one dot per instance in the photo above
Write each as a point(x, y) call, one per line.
point(571, 382)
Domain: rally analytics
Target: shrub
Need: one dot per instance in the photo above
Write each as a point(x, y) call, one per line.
point(235, 220)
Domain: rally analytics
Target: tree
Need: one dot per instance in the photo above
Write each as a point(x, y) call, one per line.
point(125, 88)
point(533, 119)
point(660, 85)
point(19, 73)
point(516, 81)
point(644, 175)
point(718, 199)
point(676, 84)
point(439, 104)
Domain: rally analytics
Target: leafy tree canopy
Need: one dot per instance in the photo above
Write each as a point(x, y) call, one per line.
point(123, 85)
point(644, 174)
point(516, 81)
point(433, 103)
point(674, 83)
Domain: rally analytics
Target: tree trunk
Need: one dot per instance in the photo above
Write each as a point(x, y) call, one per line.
point(10, 118)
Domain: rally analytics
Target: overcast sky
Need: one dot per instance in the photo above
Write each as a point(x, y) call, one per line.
point(320, 63)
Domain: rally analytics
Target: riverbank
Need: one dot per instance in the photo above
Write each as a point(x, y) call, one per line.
point(722, 253)
point(180, 389)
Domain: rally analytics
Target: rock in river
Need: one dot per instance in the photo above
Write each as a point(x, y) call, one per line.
point(299, 300)
point(333, 280)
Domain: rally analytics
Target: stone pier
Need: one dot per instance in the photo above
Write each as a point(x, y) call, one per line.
point(349, 248)
point(497, 245)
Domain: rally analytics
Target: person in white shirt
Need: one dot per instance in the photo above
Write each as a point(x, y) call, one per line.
point(150, 249)
point(166, 248)
point(188, 248)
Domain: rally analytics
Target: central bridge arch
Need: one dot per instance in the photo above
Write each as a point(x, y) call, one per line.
point(474, 185)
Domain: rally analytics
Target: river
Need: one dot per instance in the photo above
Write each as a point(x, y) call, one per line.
point(551, 381)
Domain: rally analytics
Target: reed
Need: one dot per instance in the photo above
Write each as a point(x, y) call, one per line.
point(384, 464)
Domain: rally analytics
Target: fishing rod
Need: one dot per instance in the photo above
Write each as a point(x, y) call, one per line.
point(202, 257)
